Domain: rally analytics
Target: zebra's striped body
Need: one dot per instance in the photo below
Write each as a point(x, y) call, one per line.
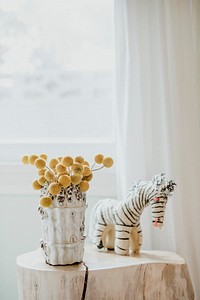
point(117, 223)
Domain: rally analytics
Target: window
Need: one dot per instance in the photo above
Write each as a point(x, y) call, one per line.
point(56, 77)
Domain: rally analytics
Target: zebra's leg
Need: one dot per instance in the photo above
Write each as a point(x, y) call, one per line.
point(108, 237)
point(122, 239)
point(136, 239)
point(98, 235)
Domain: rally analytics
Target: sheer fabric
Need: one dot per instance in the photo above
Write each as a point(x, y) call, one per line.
point(158, 108)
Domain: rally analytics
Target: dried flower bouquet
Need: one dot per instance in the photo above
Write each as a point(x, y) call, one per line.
point(62, 172)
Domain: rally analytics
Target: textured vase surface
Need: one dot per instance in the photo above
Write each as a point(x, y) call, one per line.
point(63, 226)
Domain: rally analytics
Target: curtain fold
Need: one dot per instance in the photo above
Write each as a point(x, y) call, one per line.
point(158, 108)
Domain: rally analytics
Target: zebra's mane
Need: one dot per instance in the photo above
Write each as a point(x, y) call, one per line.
point(137, 186)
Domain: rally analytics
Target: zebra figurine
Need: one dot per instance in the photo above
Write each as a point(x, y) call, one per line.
point(115, 225)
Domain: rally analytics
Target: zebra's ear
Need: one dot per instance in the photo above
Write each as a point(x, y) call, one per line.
point(170, 186)
point(158, 179)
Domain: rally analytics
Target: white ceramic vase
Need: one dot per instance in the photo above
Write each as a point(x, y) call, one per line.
point(63, 227)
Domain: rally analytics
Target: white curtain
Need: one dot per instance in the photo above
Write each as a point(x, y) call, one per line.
point(158, 107)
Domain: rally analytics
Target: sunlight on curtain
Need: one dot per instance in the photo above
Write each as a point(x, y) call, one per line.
point(158, 114)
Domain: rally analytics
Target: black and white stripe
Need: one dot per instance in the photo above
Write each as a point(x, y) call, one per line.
point(125, 215)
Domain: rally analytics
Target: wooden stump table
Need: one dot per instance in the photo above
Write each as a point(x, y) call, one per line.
point(104, 275)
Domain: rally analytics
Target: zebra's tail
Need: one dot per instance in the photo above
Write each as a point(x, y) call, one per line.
point(93, 221)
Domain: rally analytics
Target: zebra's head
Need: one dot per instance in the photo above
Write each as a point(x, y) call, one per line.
point(162, 189)
point(162, 185)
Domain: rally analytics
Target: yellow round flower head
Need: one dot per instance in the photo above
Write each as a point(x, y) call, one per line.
point(54, 171)
point(32, 158)
point(59, 158)
point(45, 201)
point(84, 186)
point(98, 158)
point(107, 162)
point(77, 168)
point(88, 178)
point(86, 171)
point(53, 162)
point(42, 180)
point(67, 161)
point(79, 159)
point(86, 163)
point(76, 179)
point(41, 172)
point(60, 169)
point(40, 163)
point(44, 156)
point(36, 185)
point(54, 188)
point(65, 173)
point(64, 180)
point(49, 176)
point(25, 160)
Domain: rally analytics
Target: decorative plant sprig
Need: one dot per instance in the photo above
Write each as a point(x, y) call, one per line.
point(104, 161)
point(62, 172)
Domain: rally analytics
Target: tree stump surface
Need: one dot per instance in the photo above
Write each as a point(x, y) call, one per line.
point(104, 275)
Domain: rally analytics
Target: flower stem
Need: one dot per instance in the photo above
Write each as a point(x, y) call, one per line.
point(92, 166)
point(97, 169)
point(51, 172)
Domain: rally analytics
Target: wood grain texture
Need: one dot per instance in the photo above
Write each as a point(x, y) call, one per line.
point(151, 275)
